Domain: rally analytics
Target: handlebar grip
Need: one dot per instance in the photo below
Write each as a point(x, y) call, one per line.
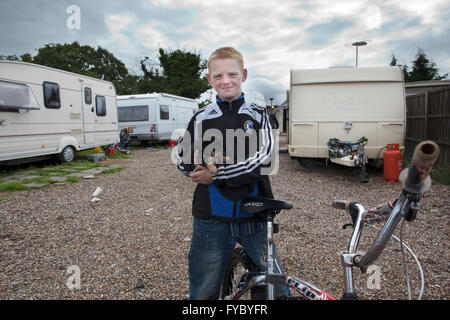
point(340, 204)
point(415, 178)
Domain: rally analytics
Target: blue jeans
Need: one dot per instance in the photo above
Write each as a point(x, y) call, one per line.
point(213, 243)
point(123, 142)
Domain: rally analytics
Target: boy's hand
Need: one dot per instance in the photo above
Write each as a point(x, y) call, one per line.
point(201, 175)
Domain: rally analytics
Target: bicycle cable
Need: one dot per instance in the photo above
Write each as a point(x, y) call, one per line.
point(402, 244)
point(404, 261)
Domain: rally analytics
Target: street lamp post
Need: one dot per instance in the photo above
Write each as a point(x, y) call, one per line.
point(358, 44)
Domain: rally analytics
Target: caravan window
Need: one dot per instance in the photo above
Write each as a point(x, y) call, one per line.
point(140, 113)
point(16, 96)
point(124, 114)
point(51, 95)
point(134, 113)
point(164, 112)
point(100, 106)
point(87, 95)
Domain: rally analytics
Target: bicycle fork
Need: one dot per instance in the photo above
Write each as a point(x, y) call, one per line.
point(348, 256)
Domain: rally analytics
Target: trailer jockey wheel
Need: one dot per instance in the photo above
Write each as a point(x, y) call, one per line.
point(364, 173)
point(67, 155)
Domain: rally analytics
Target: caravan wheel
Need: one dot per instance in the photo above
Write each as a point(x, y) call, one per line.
point(67, 155)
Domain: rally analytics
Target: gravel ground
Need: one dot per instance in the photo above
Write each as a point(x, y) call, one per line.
point(134, 243)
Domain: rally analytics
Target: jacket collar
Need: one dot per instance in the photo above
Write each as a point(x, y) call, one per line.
point(233, 105)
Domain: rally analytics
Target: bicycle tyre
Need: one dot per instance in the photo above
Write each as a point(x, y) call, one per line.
point(239, 263)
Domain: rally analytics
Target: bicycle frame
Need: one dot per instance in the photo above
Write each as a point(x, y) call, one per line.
point(269, 278)
point(415, 180)
point(349, 258)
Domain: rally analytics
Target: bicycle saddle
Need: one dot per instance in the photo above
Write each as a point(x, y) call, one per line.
point(254, 205)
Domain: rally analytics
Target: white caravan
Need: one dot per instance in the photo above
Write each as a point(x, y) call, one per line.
point(154, 116)
point(347, 104)
point(45, 111)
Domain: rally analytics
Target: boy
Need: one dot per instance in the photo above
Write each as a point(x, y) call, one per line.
point(218, 221)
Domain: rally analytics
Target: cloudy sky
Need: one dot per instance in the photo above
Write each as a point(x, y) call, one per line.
point(274, 36)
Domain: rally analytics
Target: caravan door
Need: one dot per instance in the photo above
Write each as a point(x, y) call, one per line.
point(166, 121)
point(88, 114)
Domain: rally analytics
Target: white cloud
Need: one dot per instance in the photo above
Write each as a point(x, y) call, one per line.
point(276, 37)
point(427, 11)
point(151, 37)
point(373, 17)
point(116, 23)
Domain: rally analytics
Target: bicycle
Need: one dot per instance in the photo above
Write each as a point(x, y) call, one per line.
point(415, 180)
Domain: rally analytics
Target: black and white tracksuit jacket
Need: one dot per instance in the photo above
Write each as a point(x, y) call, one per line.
point(239, 176)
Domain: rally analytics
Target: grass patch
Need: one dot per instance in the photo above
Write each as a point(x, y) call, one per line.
point(42, 180)
point(13, 186)
point(49, 173)
point(2, 199)
point(112, 170)
point(73, 179)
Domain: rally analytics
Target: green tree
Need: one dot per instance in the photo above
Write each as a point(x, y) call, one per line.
point(423, 69)
point(178, 72)
point(394, 62)
point(11, 57)
point(152, 80)
point(93, 62)
point(86, 60)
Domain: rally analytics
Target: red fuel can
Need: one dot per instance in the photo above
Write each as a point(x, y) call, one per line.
point(392, 162)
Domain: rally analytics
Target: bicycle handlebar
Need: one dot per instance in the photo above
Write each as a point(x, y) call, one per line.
point(415, 180)
point(340, 204)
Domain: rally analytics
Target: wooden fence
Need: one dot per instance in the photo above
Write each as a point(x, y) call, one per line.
point(428, 118)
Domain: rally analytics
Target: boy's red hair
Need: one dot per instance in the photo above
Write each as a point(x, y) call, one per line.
point(226, 53)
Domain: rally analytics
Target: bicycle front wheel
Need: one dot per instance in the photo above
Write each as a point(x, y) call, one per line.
point(236, 276)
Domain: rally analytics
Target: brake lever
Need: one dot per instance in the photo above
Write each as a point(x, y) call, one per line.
point(413, 207)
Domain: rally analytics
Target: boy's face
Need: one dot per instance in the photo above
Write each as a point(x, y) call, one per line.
point(226, 77)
